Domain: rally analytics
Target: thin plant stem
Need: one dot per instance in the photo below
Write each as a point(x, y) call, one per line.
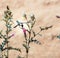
point(26, 55)
point(26, 49)
point(7, 40)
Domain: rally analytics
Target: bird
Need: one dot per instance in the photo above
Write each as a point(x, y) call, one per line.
point(18, 24)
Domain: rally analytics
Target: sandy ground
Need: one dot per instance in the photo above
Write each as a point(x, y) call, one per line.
point(45, 12)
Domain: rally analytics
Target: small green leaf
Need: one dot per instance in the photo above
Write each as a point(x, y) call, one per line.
point(18, 23)
point(58, 36)
point(8, 25)
point(4, 43)
point(26, 46)
point(1, 48)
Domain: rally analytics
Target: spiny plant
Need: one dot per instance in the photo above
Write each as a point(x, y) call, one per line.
point(28, 37)
point(4, 46)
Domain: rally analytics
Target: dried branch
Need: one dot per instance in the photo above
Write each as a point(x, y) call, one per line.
point(11, 48)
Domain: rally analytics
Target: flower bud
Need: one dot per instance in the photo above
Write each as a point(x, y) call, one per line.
point(24, 15)
point(32, 17)
point(24, 30)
